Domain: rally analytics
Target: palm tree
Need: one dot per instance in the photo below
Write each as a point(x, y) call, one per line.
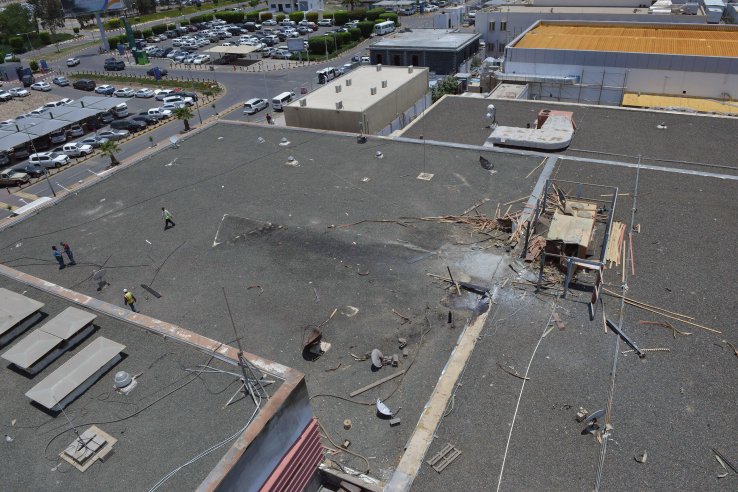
point(110, 148)
point(183, 113)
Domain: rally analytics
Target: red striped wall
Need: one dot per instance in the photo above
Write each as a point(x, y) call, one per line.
point(300, 463)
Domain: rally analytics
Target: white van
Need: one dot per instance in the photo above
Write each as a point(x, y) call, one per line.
point(382, 28)
point(281, 100)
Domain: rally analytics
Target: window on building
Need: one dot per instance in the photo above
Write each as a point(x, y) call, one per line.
point(274, 6)
point(415, 61)
point(502, 47)
point(491, 25)
point(503, 25)
point(379, 59)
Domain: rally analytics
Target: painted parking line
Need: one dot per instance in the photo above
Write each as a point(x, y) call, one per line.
point(27, 196)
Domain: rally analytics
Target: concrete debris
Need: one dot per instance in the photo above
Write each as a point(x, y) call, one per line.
point(395, 360)
point(8, 438)
point(345, 444)
point(581, 415)
point(347, 424)
point(395, 421)
point(641, 457)
point(402, 342)
point(405, 352)
point(350, 311)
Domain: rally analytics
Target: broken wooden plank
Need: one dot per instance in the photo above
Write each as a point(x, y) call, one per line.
point(377, 383)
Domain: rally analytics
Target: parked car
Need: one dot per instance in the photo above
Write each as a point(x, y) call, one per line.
point(94, 141)
point(146, 93)
point(159, 114)
point(269, 22)
point(114, 134)
point(175, 99)
point(73, 62)
point(190, 94)
point(253, 106)
point(172, 107)
point(75, 131)
point(53, 104)
point(58, 136)
point(10, 177)
point(76, 149)
point(19, 92)
point(84, 84)
point(106, 117)
point(105, 89)
point(151, 72)
point(124, 92)
point(66, 100)
point(325, 22)
point(114, 64)
point(163, 93)
point(49, 159)
point(41, 86)
point(10, 57)
point(132, 126)
point(146, 118)
point(5, 96)
point(33, 170)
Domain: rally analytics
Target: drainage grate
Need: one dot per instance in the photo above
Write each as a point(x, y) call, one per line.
point(444, 457)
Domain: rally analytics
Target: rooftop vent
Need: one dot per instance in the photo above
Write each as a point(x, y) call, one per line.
point(338, 88)
point(348, 82)
point(303, 102)
point(379, 67)
point(339, 105)
point(373, 91)
point(410, 69)
point(384, 84)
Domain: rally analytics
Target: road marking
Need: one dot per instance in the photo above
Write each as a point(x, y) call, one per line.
point(27, 196)
point(7, 206)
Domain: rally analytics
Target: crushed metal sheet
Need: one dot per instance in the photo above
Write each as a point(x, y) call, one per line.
point(425, 176)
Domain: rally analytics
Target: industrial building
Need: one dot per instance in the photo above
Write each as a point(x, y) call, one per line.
point(499, 25)
point(441, 50)
point(602, 62)
point(370, 99)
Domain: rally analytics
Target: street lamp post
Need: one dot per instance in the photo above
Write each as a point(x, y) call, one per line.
point(27, 37)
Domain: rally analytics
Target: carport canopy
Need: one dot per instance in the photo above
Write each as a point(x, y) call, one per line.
point(243, 49)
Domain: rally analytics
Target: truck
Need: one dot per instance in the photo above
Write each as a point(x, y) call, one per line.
point(10, 177)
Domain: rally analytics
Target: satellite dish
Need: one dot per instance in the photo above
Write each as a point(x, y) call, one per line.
point(377, 357)
point(284, 142)
point(379, 155)
point(174, 141)
point(260, 140)
point(486, 164)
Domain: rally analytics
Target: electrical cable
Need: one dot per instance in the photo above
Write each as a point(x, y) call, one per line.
point(327, 436)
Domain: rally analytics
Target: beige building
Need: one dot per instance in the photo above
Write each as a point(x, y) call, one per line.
point(368, 99)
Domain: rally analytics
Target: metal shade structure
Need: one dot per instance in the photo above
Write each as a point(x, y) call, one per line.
point(73, 8)
point(232, 50)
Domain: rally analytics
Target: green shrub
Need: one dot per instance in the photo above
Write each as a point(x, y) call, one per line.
point(373, 14)
point(390, 16)
point(328, 15)
point(312, 16)
point(113, 24)
point(171, 27)
point(230, 17)
point(297, 16)
point(357, 14)
point(114, 41)
point(253, 16)
point(366, 28)
point(254, 3)
point(184, 22)
point(76, 30)
point(33, 65)
point(318, 44)
point(355, 33)
point(343, 38)
point(280, 18)
point(159, 29)
point(266, 16)
point(44, 37)
point(201, 18)
point(147, 33)
point(340, 17)
point(16, 43)
point(138, 34)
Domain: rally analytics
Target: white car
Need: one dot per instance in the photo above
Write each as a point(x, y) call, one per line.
point(325, 22)
point(18, 92)
point(38, 111)
point(124, 92)
point(253, 106)
point(144, 93)
point(105, 89)
point(162, 93)
point(72, 62)
point(269, 22)
point(66, 100)
point(41, 86)
point(200, 59)
point(77, 149)
point(10, 57)
point(49, 159)
point(172, 107)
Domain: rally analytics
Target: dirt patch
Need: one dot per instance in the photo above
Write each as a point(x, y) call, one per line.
point(22, 105)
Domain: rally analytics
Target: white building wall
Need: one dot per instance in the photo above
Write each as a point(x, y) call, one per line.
point(605, 85)
point(592, 3)
point(295, 5)
point(500, 27)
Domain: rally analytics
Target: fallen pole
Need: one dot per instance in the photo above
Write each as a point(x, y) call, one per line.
point(377, 383)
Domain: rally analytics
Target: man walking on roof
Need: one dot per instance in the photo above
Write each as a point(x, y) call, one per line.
point(59, 257)
point(129, 299)
point(167, 216)
point(69, 253)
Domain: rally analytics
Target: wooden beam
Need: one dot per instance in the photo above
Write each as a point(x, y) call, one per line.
point(377, 383)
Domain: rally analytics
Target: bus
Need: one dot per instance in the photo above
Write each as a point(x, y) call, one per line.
point(382, 28)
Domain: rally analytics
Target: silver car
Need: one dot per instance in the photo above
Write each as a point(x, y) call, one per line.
point(113, 134)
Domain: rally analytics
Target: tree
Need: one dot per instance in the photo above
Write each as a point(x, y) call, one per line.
point(145, 6)
point(349, 3)
point(184, 113)
point(448, 85)
point(82, 19)
point(16, 19)
point(110, 148)
point(49, 12)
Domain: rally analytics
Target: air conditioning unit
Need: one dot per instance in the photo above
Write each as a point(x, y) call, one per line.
point(379, 67)
point(373, 91)
point(384, 84)
point(410, 69)
point(339, 105)
point(338, 88)
point(348, 82)
point(303, 102)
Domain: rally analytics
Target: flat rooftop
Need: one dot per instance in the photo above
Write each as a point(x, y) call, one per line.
point(700, 40)
point(173, 414)
point(358, 96)
point(426, 39)
point(294, 244)
point(533, 9)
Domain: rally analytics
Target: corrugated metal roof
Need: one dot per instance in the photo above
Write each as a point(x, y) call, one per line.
point(667, 39)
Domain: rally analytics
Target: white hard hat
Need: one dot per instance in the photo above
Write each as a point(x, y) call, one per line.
point(125, 290)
